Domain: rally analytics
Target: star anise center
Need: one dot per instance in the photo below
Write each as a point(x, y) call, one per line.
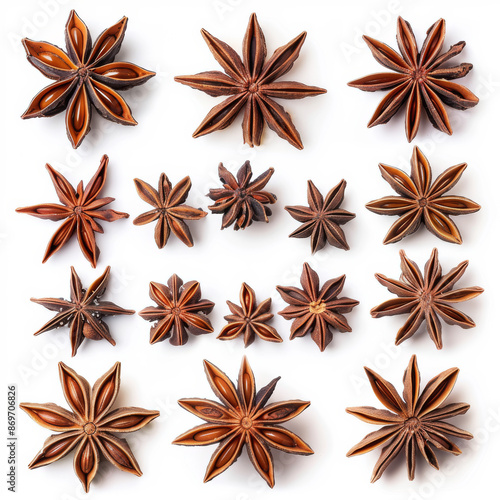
point(413, 424)
point(246, 423)
point(317, 307)
point(419, 74)
point(253, 87)
point(426, 299)
point(423, 202)
point(241, 193)
point(176, 311)
point(89, 428)
point(83, 72)
point(78, 210)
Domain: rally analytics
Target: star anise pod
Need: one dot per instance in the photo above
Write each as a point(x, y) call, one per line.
point(249, 319)
point(85, 76)
point(90, 426)
point(80, 208)
point(169, 210)
point(426, 298)
point(417, 422)
point(180, 308)
point(84, 313)
point(314, 310)
point(422, 200)
point(420, 79)
point(252, 86)
point(321, 220)
point(242, 201)
point(243, 419)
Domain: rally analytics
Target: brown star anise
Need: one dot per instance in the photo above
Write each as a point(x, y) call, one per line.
point(251, 85)
point(89, 426)
point(85, 76)
point(314, 310)
point(420, 80)
point(422, 200)
point(321, 220)
point(426, 298)
point(242, 201)
point(243, 419)
point(84, 312)
point(169, 209)
point(80, 208)
point(417, 422)
point(180, 308)
point(249, 319)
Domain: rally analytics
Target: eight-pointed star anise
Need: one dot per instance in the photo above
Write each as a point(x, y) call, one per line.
point(243, 419)
point(242, 201)
point(422, 200)
point(180, 308)
point(420, 79)
point(252, 86)
point(90, 426)
point(84, 312)
point(414, 422)
point(169, 209)
point(314, 310)
point(426, 298)
point(85, 76)
point(321, 220)
point(80, 208)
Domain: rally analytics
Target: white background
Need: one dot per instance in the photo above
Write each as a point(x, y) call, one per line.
point(165, 37)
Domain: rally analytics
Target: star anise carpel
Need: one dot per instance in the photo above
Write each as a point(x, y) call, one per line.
point(243, 419)
point(86, 77)
point(418, 79)
point(414, 422)
point(250, 82)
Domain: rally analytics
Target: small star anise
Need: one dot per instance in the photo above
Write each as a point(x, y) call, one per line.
point(314, 310)
point(243, 419)
point(249, 319)
point(89, 426)
point(180, 308)
point(85, 76)
point(84, 312)
point(417, 422)
point(321, 220)
point(80, 208)
point(420, 80)
point(242, 201)
point(251, 85)
point(426, 298)
point(422, 200)
point(169, 209)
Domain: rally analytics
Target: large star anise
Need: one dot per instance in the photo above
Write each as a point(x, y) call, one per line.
point(422, 200)
point(420, 80)
point(321, 220)
point(314, 310)
point(169, 210)
point(242, 201)
point(251, 85)
point(80, 208)
point(89, 426)
point(243, 419)
point(426, 298)
point(84, 312)
point(417, 422)
point(180, 308)
point(86, 76)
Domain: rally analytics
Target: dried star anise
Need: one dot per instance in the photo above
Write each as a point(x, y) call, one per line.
point(180, 308)
point(84, 312)
point(242, 201)
point(321, 220)
point(169, 209)
point(314, 310)
point(243, 419)
point(249, 319)
point(426, 298)
point(422, 200)
point(86, 76)
point(80, 208)
point(251, 85)
point(89, 426)
point(420, 80)
point(417, 422)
